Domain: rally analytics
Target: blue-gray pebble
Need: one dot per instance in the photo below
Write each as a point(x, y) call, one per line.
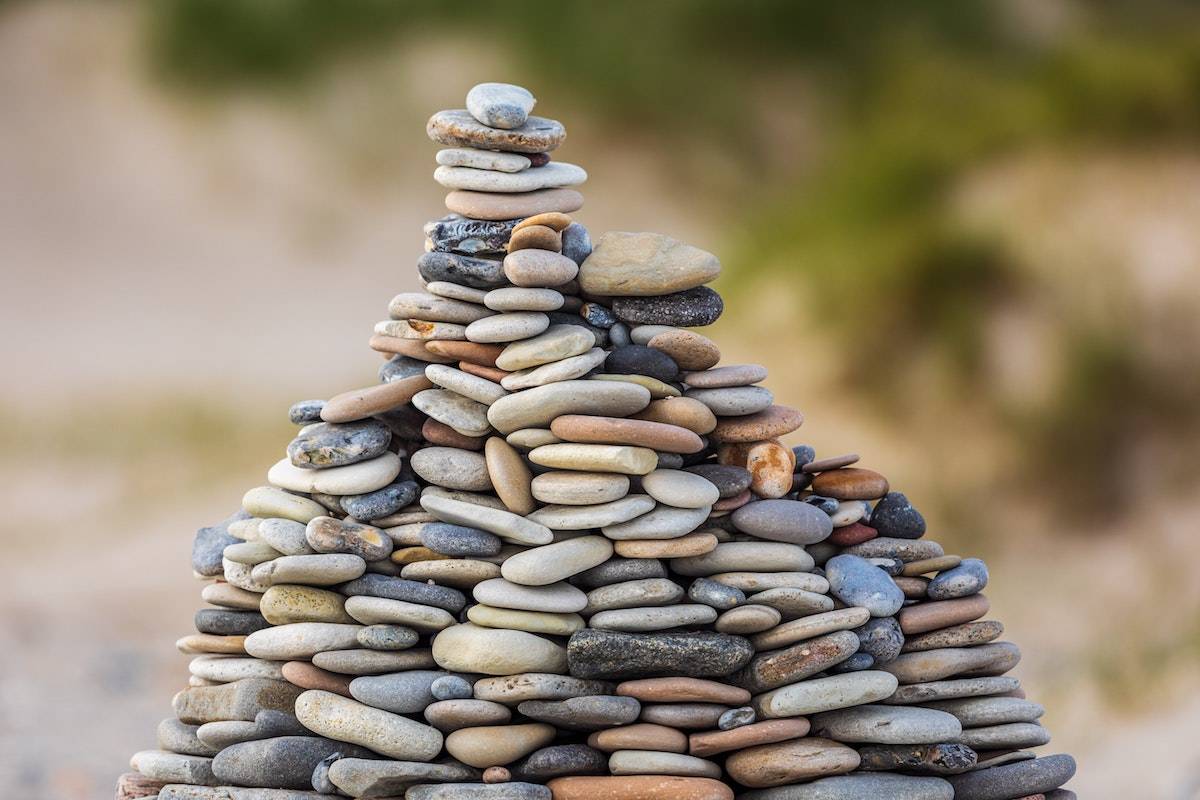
point(966, 579)
point(857, 582)
point(459, 540)
point(895, 517)
point(381, 502)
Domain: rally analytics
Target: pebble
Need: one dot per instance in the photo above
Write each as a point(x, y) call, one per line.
point(506, 790)
point(636, 359)
point(518, 299)
point(379, 503)
point(482, 159)
point(492, 651)
point(664, 522)
point(412, 591)
point(359, 661)
point(301, 640)
point(579, 488)
point(882, 638)
point(459, 540)
point(887, 725)
point(387, 637)
point(809, 627)
point(748, 619)
point(680, 489)
point(825, 694)
point(504, 524)
point(938, 614)
point(860, 785)
point(745, 556)
point(895, 517)
point(1012, 736)
point(690, 350)
point(488, 746)
point(485, 205)
point(952, 689)
point(974, 712)
point(691, 544)
point(653, 762)
point(711, 743)
point(681, 411)
point(620, 459)
point(174, 767)
point(458, 128)
point(305, 411)
point(577, 518)
point(324, 569)
point(347, 720)
point(968, 578)
point(776, 668)
point(583, 713)
point(639, 787)
point(535, 237)
point(284, 762)
point(552, 175)
point(377, 778)
point(381, 610)
point(857, 582)
point(325, 444)
point(400, 693)
point(715, 594)
point(530, 621)
point(968, 634)
point(500, 105)
point(240, 700)
point(904, 549)
point(1021, 779)
point(451, 715)
point(539, 269)
point(937, 665)
point(329, 535)
point(432, 308)
point(645, 265)
point(726, 377)
point(540, 566)
point(938, 759)
point(358, 478)
point(639, 736)
point(783, 521)
point(469, 271)
point(537, 407)
point(653, 618)
point(771, 422)
point(691, 308)
point(790, 762)
point(283, 604)
point(631, 594)
point(557, 598)
point(559, 760)
point(612, 654)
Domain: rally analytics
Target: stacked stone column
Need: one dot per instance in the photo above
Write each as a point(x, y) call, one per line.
point(560, 552)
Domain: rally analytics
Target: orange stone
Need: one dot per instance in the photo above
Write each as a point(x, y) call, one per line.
point(362, 403)
point(770, 423)
point(683, 690)
point(792, 761)
point(484, 355)
point(693, 544)
point(851, 483)
point(555, 220)
point(660, 436)
point(769, 731)
point(686, 412)
point(491, 373)
point(638, 787)
point(306, 676)
point(690, 350)
point(439, 433)
point(640, 736)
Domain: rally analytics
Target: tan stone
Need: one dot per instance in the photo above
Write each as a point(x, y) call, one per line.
point(306, 676)
point(683, 690)
point(640, 736)
point(552, 219)
point(772, 423)
point(286, 603)
point(510, 476)
point(496, 745)
point(638, 787)
point(790, 762)
point(682, 411)
point(489, 206)
point(710, 743)
point(942, 613)
point(535, 237)
point(693, 544)
point(362, 403)
point(690, 350)
point(659, 436)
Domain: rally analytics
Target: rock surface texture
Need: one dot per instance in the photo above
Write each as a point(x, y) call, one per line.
point(559, 551)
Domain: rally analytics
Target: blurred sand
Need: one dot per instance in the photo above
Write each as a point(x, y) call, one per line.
point(175, 275)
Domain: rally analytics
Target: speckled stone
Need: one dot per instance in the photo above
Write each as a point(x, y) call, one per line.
point(457, 128)
point(611, 654)
point(690, 308)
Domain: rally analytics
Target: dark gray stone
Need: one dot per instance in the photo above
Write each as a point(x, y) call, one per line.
point(455, 233)
point(638, 359)
point(690, 308)
point(600, 316)
point(381, 502)
point(427, 594)
point(783, 521)
point(619, 570)
point(387, 637)
point(1021, 779)
point(227, 622)
point(478, 273)
point(928, 759)
point(881, 637)
point(285, 762)
point(306, 411)
point(895, 517)
point(459, 540)
point(730, 480)
point(210, 543)
point(614, 655)
point(398, 368)
point(715, 594)
point(855, 663)
point(827, 504)
point(590, 713)
point(576, 243)
point(804, 454)
point(330, 444)
point(559, 760)
point(968, 578)
point(400, 692)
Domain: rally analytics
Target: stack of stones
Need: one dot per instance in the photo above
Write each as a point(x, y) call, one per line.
point(559, 551)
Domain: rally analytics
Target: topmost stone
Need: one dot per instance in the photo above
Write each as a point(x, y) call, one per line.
point(645, 265)
point(457, 128)
point(500, 105)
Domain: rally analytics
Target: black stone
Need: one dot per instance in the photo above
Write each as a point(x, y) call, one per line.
point(881, 637)
point(227, 622)
point(895, 517)
point(559, 760)
point(210, 544)
point(428, 594)
point(690, 308)
point(618, 570)
point(927, 759)
point(470, 237)
point(1021, 779)
point(286, 762)
point(478, 273)
point(619, 656)
point(638, 359)
point(381, 502)
point(730, 480)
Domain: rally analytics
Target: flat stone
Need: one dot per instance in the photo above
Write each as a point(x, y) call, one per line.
point(269, 501)
point(551, 563)
point(224, 622)
point(459, 573)
point(300, 640)
point(508, 790)
point(557, 343)
point(329, 535)
point(381, 610)
point(850, 483)
point(359, 404)
point(810, 627)
point(451, 687)
point(229, 596)
point(514, 298)
point(325, 444)
point(938, 614)
point(887, 725)
point(726, 377)
point(715, 594)
point(284, 762)
point(531, 621)
point(560, 760)
point(464, 270)
point(635, 359)
point(1014, 780)
point(857, 582)
point(578, 518)
point(904, 549)
point(451, 715)
point(458, 128)
point(953, 689)
point(508, 327)
point(496, 745)
point(535, 237)
point(387, 637)
point(583, 713)
point(381, 502)
point(553, 175)
point(458, 540)
point(420, 330)
point(179, 737)
point(361, 661)
point(347, 720)
point(642, 762)
point(486, 205)
point(411, 591)
point(731, 481)
point(639, 787)
point(228, 668)
point(969, 634)
point(748, 619)
point(570, 488)
point(470, 648)
point(974, 712)
point(858, 786)
point(620, 459)
point(745, 556)
point(679, 489)
point(240, 700)
point(939, 759)
point(401, 692)
point(482, 159)
point(769, 423)
point(894, 516)
point(776, 668)
point(451, 408)
point(377, 778)
point(515, 689)
point(734, 402)
point(432, 308)
point(160, 765)
point(653, 618)
point(504, 524)
point(640, 736)
point(452, 468)
point(539, 268)
point(617, 570)
point(251, 553)
point(286, 604)
point(711, 743)
point(359, 478)
point(615, 655)
point(611, 430)
point(937, 665)
point(664, 522)
point(210, 542)
point(631, 594)
point(771, 467)
point(324, 569)
point(1010, 736)
point(790, 761)
point(682, 690)
point(825, 694)
point(682, 411)
point(645, 264)
point(558, 598)
point(566, 369)
point(691, 544)
point(685, 716)
point(752, 582)
point(691, 308)
point(537, 407)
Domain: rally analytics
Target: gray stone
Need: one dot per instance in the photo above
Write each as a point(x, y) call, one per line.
point(426, 594)
point(907, 550)
point(451, 687)
point(974, 712)
point(478, 273)
point(361, 777)
point(857, 582)
point(736, 718)
point(471, 237)
point(335, 444)
point(783, 521)
point(267, 724)
point(400, 693)
point(452, 468)
point(180, 737)
point(858, 786)
point(557, 761)
point(881, 637)
point(737, 401)
point(1010, 736)
point(583, 713)
point(968, 578)
point(285, 762)
point(775, 668)
point(730, 480)
point(458, 128)
point(509, 790)
point(1014, 780)
point(329, 535)
point(615, 655)
point(953, 689)
point(715, 594)
point(225, 622)
point(210, 544)
point(381, 502)
point(556, 598)
point(387, 637)
point(551, 176)
point(887, 725)
point(305, 411)
point(619, 570)
point(576, 243)
point(459, 540)
point(500, 105)
point(636, 359)
point(631, 594)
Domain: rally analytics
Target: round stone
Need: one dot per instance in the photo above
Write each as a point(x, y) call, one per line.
point(857, 582)
point(500, 105)
point(490, 651)
point(680, 489)
point(783, 521)
point(538, 268)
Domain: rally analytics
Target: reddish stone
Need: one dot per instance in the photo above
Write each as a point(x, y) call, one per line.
point(852, 534)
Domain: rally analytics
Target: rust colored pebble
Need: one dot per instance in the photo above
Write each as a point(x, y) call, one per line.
point(766, 424)
point(941, 614)
point(638, 787)
point(771, 465)
point(306, 676)
point(554, 220)
point(491, 373)
point(710, 743)
point(484, 355)
point(735, 502)
point(413, 348)
point(439, 433)
point(690, 350)
point(683, 690)
point(411, 555)
point(852, 534)
point(615, 430)
point(833, 462)
point(640, 736)
point(851, 483)
point(535, 237)
point(201, 643)
point(686, 412)
point(913, 588)
point(496, 775)
point(693, 544)
point(362, 403)
point(927, 565)
point(134, 785)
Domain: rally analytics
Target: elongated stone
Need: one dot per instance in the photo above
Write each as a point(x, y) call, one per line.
point(504, 524)
point(551, 563)
point(537, 407)
point(777, 668)
point(887, 725)
point(379, 778)
point(790, 762)
point(471, 648)
point(609, 654)
point(347, 720)
point(825, 694)
point(858, 786)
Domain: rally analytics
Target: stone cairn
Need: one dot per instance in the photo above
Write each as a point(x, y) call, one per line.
point(559, 552)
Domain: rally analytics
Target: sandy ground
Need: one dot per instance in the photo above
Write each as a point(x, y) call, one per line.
point(221, 259)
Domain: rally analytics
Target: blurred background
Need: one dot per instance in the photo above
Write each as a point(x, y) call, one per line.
point(963, 237)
